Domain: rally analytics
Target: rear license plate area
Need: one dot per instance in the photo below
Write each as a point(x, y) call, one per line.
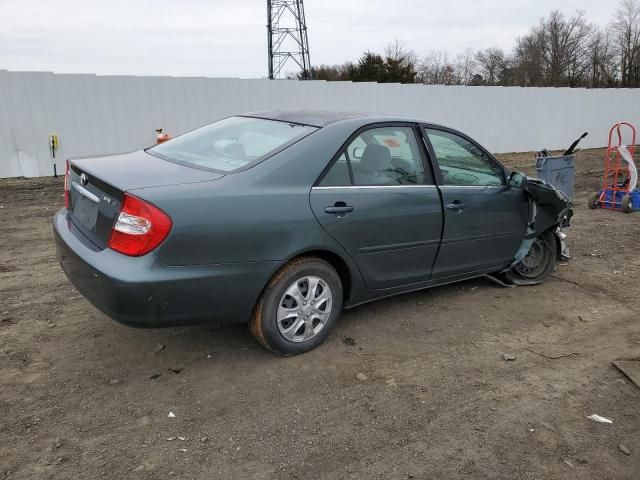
point(85, 211)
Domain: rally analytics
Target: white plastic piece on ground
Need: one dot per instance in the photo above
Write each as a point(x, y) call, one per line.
point(626, 155)
point(171, 415)
point(598, 418)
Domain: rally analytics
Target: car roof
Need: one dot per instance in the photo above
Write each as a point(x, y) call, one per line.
point(322, 118)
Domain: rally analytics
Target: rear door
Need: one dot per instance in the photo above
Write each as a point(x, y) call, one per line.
point(380, 203)
point(484, 219)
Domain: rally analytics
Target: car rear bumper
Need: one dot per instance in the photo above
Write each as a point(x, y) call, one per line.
point(143, 292)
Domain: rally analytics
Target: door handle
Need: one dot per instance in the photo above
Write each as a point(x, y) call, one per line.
point(339, 209)
point(456, 205)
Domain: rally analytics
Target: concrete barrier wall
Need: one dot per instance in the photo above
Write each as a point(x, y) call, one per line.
point(95, 115)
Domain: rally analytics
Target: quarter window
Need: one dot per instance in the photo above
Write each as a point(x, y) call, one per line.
point(338, 174)
point(462, 162)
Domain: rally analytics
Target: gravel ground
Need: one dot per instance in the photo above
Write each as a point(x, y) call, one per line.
point(415, 386)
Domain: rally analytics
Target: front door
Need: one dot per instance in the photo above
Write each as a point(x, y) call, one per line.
point(378, 203)
point(484, 219)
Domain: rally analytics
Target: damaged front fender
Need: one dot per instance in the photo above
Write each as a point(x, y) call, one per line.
point(552, 207)
point(549, 208)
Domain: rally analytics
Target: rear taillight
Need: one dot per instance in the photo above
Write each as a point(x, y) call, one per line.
point(67, 186)
point(140, 227)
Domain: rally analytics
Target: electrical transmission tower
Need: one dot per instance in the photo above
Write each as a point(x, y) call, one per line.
point(287, 37)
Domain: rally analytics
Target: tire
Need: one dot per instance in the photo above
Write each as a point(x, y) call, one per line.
point(594, 200)
point(298, 307)
point(627, 204)
point(539, 262)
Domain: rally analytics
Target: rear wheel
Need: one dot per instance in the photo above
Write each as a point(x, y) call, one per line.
point(594, 200)
point(298, 308)
point(538, 263)
point(627, 204)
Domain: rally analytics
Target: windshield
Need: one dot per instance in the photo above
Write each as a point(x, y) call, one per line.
point(230, 144)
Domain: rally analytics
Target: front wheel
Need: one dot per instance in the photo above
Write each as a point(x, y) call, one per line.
point(298, 308)
point(594, 200)
point(538, 263)
point(627, 204)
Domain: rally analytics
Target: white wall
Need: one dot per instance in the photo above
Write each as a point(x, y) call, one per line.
point(99, 115)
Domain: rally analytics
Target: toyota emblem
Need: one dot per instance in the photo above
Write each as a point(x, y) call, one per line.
point(84, 179)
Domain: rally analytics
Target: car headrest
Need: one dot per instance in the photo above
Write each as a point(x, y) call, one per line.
point(375, 158)
point(230, 148)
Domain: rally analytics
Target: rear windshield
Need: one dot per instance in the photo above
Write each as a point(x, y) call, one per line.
point(230, 144)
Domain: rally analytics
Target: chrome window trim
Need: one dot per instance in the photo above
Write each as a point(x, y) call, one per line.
point(324, 187)
point(473, 186)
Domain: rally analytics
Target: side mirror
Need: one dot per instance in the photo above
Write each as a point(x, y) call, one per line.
point(517, 179)
point(357, 152)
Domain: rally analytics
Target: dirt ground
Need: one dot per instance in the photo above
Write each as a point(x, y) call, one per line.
point(83, 397)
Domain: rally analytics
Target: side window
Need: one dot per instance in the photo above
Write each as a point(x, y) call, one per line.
point(338, 174)
point(462, 163)
point(386, 156)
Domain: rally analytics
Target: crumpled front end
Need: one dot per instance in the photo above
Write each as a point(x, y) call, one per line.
point(549, 209)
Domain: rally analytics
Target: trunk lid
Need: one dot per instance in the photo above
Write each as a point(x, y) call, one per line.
point(97, 186)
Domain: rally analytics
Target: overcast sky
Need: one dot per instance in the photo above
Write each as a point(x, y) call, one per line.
point(228, 37)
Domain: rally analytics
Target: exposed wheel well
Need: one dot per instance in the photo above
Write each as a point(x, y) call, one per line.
point(336, 262)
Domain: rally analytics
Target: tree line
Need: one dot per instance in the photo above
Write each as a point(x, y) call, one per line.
point(559, 51)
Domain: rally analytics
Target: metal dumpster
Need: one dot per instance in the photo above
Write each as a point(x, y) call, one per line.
point(558, 171)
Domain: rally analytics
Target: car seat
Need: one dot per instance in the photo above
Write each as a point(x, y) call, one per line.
point(374, 167)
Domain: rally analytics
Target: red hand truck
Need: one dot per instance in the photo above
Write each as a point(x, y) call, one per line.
point(616, 193)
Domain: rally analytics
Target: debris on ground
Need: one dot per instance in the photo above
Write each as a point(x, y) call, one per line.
point(171, 415)
point(552, 357)
point(598, 418)
point(509, 357)
point(349, 341)
point(631, 368)
point(362, 377)
point(624, 449)
point(158, 348)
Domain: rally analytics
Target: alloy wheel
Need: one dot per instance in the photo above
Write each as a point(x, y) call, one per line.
point(304, 309)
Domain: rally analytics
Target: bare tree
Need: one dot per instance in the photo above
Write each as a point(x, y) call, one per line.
point(465, 67)
point(528, 59)
point(564, 47)
point(397, 50)
point(626, 32)
point(603, 69)
point(490, 63)
point(435, 69)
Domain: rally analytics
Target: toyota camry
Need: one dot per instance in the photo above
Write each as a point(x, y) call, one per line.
point(283, 219)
